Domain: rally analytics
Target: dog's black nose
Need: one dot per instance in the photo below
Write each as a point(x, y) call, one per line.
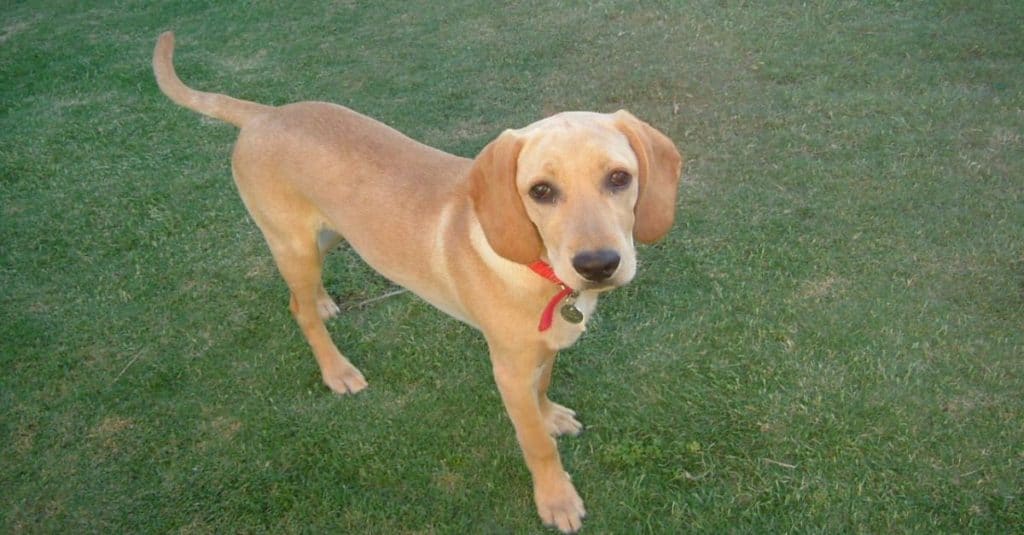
point(596, 266)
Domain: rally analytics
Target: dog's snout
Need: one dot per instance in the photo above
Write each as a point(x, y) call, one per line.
point(596, 266)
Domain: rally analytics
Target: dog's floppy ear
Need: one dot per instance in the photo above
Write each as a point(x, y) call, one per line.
point(660, 165)
point(492, 187)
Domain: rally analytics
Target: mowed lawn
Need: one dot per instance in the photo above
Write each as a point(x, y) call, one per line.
point(830, 339)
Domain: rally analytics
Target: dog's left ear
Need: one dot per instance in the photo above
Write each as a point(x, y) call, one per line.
point(492, 187)
point(660, 165)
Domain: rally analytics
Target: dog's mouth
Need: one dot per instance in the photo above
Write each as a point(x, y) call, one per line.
point(602, 286)
point(581, 283)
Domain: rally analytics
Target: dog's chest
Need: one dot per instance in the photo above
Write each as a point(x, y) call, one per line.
point(562, 333)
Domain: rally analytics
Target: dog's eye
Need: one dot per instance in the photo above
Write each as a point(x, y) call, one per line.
point(543, 192)
point(619, 180)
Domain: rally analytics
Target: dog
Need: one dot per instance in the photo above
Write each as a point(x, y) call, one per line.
point(543, 220)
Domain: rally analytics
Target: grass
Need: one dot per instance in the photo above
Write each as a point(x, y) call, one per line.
point(830, 339)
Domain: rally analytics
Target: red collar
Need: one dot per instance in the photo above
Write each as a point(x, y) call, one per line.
point(542, 268)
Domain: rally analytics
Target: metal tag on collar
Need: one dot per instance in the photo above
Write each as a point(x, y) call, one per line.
point(569, 311)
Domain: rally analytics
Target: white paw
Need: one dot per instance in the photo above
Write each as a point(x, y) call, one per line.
point(347, 380)
point(560, 506)
point(327, 307)
point(559, 420)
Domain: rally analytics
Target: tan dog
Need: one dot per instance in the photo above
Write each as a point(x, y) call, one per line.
point(573, 190)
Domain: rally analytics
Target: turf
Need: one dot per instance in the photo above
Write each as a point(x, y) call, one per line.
point(829, 340)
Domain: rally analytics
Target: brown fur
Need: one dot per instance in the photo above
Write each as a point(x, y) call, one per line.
point(492, 186)
point(454, 231)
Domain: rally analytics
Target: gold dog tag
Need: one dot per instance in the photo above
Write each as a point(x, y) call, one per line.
point(569, 311)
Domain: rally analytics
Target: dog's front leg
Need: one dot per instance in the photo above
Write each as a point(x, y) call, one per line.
point(559, 420)
point(519, 375)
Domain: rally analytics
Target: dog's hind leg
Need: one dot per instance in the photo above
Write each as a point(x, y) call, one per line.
point(326, 240)
point(299, 258)
point(301, 268)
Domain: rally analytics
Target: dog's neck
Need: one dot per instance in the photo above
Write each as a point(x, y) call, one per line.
point(566, 296)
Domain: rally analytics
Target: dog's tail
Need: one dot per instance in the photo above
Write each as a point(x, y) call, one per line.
point(223, 107)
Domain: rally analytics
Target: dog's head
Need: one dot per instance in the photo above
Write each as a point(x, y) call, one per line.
point(577, 187)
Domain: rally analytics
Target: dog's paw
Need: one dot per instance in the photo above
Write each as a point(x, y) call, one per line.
point(559, 420)
point(327, 307)
point(347, 380)
point(559, 505)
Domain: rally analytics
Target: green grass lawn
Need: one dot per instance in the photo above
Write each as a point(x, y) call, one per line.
point(830, 340)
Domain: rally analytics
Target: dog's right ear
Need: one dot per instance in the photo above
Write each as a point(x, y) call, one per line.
point(660, 166)
point(492, 188)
